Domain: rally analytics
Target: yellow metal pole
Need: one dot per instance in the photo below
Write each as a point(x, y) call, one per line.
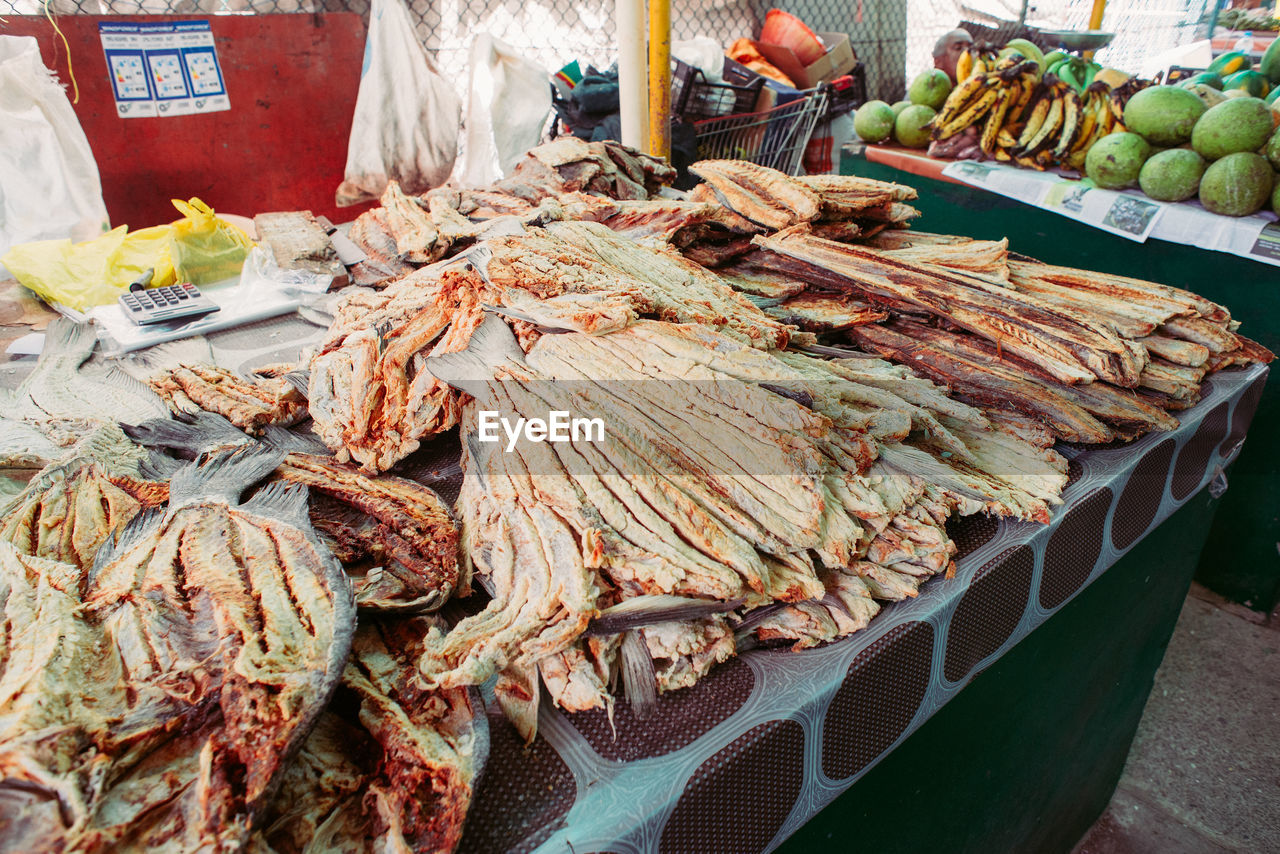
point(1095, 21)
point(660, 78)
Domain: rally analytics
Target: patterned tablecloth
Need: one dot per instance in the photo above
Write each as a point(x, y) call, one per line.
point(769, 738)
point(745, 757)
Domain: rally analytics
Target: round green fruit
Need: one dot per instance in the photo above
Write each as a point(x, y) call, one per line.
point(1273, 149)
point(1270, 64)
point(1115, 161)
point(1172, 175)
point(1208, 78)
point(1253, 82)
point(873, 121)
point(930, 89)
point(899, 106)
point(911, 129)
point(1238, 124)
point(1237, 185)
point(1163, 115)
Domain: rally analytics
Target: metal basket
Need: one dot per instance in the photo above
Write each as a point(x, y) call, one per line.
point(693, 98)
point(775, 138)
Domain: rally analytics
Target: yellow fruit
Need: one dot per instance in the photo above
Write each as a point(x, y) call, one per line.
point(1112, 77)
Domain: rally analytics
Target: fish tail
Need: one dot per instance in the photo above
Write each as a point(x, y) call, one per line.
point(65, 338)
point(223, 478)
point(280, 500)
point(492, 344)
point(195, 435)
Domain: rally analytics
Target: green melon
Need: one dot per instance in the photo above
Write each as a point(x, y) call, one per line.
point(1238, 124)
point(1253, 82)
point(1270, 64)
point(912, 127)
point(1163, 115)
point(873, 121)
point(1114, 161)
point(1273, 149)
point(1172, 175)
point(1238, 184)
point(930, 89)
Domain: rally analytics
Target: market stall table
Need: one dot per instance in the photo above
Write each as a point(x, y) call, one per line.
point(742, 760)
point(1244, 563)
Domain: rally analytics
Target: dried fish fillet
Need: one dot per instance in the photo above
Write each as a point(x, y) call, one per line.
point(215, 633)
point(389, 765)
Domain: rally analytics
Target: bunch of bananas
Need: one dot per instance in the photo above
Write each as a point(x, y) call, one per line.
point(974, 61)
point(1031, 120)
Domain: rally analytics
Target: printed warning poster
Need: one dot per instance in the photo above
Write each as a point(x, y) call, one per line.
point(163, 69)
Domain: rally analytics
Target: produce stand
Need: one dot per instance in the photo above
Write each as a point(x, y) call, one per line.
point(1241, 560)
point(1035, 655)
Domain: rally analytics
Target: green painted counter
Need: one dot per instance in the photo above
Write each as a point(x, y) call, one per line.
point(1242, 556)
point(1026, 757)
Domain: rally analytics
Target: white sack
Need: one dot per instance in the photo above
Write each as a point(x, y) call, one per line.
point(406, 120)
point(49, 185)
point(508, 100)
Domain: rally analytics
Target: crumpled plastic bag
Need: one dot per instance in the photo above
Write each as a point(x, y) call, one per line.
point(205, 247)
point(201, 248)
point(95, 272)
point(508, 101)
point(49, 185)
point(406, 119)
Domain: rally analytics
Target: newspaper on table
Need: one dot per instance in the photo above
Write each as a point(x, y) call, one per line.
point(1126, 213)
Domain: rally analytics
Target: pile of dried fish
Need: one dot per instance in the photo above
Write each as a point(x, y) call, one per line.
point(748, 485)
point(407, 232)
point(395, 537)
point(824, 489)
point(371, 397)
point(194, 656)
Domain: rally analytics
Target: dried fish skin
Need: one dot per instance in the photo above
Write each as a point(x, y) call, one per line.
point(389, 766)
point(414, 535)
point(216, 633)
point(249, 405)
point(762, 195)
point(61, 388)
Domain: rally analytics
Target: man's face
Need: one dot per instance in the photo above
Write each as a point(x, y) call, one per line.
point(955, 46)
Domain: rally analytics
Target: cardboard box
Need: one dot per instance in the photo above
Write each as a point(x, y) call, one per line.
point(839, 59)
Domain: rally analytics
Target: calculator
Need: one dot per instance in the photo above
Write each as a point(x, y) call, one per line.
point(156, 305)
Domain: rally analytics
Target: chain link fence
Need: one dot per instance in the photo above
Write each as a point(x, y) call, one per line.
point(893, 38)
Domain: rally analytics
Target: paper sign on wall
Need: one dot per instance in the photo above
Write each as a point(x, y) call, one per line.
point(163, 69)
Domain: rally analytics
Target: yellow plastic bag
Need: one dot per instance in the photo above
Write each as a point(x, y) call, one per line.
point(205, 248)
point(94, 272)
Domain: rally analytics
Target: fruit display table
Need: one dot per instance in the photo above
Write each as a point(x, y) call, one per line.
point(1241, 559)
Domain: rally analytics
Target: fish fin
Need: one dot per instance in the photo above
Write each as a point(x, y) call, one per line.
point(223, 478)
point(275, 436)
point(281, 500)
point(65, 338)
point(492, 344)
point(659, 608)
point(125, 536)
point(158, 466)
point(197, 434)
point(135, 387)
point(299, 380)
point(638, 675)
point(145, 364)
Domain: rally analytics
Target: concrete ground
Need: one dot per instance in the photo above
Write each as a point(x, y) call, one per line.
point(1203, 776)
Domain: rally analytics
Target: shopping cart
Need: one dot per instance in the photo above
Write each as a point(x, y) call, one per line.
point(775, 138)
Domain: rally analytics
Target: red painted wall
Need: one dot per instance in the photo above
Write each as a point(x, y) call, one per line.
point(292, 81)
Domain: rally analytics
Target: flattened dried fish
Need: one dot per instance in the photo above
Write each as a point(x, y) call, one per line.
point(196, 655)
point(389, 766)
